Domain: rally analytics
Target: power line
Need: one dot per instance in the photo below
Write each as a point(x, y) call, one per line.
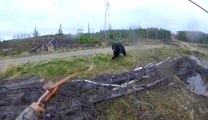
point(198, 6)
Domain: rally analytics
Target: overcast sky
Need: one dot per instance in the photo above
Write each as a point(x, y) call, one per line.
point(21, 16)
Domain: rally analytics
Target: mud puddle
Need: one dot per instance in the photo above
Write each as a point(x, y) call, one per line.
point(197, 85)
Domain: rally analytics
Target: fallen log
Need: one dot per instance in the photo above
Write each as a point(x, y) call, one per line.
point(77, 99)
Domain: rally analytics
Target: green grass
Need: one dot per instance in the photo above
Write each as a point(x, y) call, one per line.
point(165, 102)
point(58, 68)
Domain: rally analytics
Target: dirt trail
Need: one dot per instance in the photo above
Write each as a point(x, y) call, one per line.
point(194, 47)
point(4, 63)
point(185, 44)
point(188, 45)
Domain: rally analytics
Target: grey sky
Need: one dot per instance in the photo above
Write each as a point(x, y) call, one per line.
point(21, 16)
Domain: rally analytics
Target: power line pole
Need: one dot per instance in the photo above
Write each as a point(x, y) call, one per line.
point(60, 32)
point(106, 21)
point(88, 26)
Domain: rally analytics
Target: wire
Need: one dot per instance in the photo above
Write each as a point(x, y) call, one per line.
point(199, 6)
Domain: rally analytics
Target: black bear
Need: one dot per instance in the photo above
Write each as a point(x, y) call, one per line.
point(117, 49)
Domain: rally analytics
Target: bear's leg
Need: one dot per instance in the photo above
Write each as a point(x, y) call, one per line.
point(124, 52)
point(114, 57)
point(115, 54)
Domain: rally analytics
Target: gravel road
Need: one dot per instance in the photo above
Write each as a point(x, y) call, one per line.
point(5, 62)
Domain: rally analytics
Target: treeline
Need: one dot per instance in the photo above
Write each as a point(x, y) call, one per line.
point(133, 34)
point(193, 36)
point(124, 34)
point(21, 44)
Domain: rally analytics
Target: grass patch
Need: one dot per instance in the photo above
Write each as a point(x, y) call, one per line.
point(57, 68)
point(11, 72)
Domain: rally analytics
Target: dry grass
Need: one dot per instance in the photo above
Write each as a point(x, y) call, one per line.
point(172, 102)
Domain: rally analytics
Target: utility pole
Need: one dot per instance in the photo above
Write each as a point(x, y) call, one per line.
point(35, 32)
point(88, 26)
point(60, 32)
point(106, 21)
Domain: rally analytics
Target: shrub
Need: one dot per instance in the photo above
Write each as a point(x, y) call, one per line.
point(89, 40)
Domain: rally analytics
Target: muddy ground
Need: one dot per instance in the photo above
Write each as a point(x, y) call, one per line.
point(78, 99)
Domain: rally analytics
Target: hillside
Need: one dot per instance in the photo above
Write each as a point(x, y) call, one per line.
point(19, 46)
point(63, 42)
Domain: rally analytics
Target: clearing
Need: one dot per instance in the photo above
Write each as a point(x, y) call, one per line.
point(5, 62)
point(155, 91)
